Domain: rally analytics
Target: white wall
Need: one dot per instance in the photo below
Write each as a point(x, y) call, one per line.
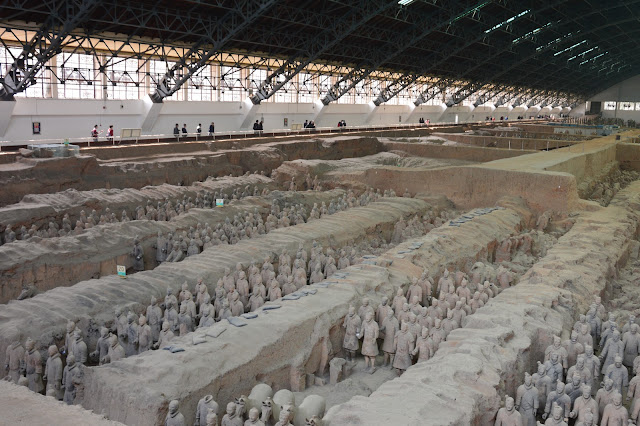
point(74, 118)
point(626, 91)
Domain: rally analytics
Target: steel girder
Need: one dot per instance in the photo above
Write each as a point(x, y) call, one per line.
point(45, 44)
point(401, 42)
point(489, 93)
point(321, 43)
point(489, 60)
point(523, 57)
point(230, 25)
point(469, 37)
point(116, 15)
point(395, 87)
point(432, 91)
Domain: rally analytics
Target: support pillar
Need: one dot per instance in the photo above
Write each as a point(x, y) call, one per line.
point(249, 113)
point(151, 114)
point(6, 110)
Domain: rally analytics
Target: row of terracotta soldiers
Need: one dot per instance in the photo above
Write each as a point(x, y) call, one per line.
point(25, 366)
point(243, 226)
point(163, 211)
point(412, 332)
point(564, 386)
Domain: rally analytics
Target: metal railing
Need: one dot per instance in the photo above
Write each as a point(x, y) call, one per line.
point(240, 134)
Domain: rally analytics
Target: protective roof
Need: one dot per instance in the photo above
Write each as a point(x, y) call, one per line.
point(576, 46)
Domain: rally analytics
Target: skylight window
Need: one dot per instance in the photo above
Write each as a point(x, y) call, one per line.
point(531, 33)
point(508, 21)
point(582, 53)
point(405, 2)
point(594, 58)
point(569, 48)
point(469, 12)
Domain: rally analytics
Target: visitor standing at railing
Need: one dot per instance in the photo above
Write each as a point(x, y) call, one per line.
point(199, 129)
point(110, 133)
point(212, 128)
point(176, 131)
point(184, 129)
point(95, 133)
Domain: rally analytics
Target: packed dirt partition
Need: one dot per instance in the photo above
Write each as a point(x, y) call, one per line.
point(468, 186)
point(91, 303)
point(47, 263)
point(467, 153)
point(552, 180)
point(282, 346)
point(506, 142)
point(37, 176)
point(628, 155)
point(471, 372)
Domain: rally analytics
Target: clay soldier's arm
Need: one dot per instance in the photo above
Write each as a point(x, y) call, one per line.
point(498, 419)
point(197, 422)
point(625, 378)
point(605, 418)
point(547, 409)
point(603, 354)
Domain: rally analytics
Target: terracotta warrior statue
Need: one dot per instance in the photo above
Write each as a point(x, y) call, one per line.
point(559, 398)
point(424, 346)
point(15, 361)
point(615, 413)
point(286, 416)
point(404, 344)
point(116, 351)
point(351, 325)
point(145, 339)
point(137, 253)
point(389, 328)
point(166, 335)
point(370, 333)
point(33, 363)
point(618, 373)
point(508, 415)
point(53, 373)
point(254, 418)
point(556, 418)
point(584, 405)
point(154, 318)
point(527, 401)
point(206, 406)
point(71, 379)
point(231, 417)
point(174, 417)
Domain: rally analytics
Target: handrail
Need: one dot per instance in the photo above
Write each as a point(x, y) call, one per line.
point(243, 134)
